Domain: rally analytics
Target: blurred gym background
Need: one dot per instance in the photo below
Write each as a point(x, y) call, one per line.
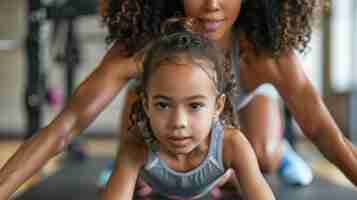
point(48, 47)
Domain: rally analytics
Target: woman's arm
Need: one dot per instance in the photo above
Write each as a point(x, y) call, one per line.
point(239, 155)
point(353, 147)
point(307, 107)
point(87, 102)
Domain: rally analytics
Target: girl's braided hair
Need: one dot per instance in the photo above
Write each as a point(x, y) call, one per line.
point(270, 25)
point(178, 41)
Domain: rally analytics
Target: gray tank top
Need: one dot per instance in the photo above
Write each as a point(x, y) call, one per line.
point(195, 183)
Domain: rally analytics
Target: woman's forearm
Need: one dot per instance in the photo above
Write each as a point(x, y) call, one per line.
point(337, 149)
point(312, 115)
point(319, 126)
point(27, 160)
point(352, 147)
point(88, 101)
point(49, 141)
point(34, 153)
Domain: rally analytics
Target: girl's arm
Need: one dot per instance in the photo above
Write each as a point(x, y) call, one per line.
point(239, 155)
point(307, 107)
point(92, 96)
point(130, 159)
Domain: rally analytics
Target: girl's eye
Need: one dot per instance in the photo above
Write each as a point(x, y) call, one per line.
point(162, 105)
point(196, 106)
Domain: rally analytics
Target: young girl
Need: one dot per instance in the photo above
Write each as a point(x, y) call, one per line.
point(179, 144)
point(257, 105)
point(267, 33)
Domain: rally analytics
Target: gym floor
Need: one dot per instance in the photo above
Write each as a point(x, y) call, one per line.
point(102, 149)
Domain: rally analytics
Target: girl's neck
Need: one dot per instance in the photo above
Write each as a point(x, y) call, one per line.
point(189, 161)
point(201, 149)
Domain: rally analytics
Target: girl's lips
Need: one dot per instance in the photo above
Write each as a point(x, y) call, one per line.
point(179, 142)
point(211, 25)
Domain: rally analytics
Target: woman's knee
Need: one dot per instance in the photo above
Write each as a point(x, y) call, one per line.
point(268, 159)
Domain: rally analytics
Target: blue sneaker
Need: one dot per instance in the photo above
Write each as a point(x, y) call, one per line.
point(293, 169)
point(105, 175)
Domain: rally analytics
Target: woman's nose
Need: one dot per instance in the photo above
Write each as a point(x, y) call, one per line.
point(212, 5)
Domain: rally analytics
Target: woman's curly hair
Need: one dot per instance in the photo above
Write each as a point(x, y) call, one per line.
point(270, 25)
point(280, 25)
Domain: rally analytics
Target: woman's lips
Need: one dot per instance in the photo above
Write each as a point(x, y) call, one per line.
point(211, 25)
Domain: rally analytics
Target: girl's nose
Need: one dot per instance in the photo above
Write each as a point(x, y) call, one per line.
point(179, 119)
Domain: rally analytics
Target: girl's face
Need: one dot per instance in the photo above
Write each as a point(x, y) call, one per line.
point(181, 105)
point(215, 17)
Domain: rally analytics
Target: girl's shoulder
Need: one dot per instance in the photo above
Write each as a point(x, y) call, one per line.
point(235, 144)
point(232, 136)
